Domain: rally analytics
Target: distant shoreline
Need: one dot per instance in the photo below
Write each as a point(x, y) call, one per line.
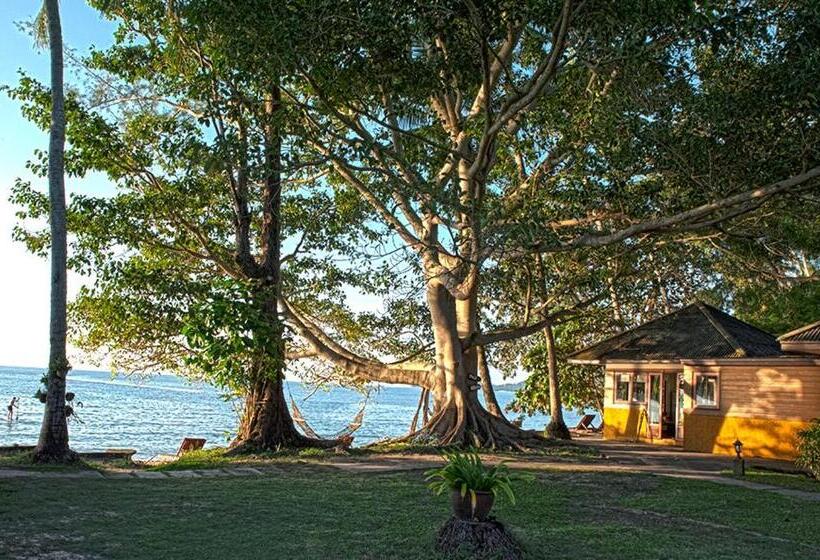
point(512, 387)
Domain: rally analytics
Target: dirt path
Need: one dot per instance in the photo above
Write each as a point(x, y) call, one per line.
point(616, 457)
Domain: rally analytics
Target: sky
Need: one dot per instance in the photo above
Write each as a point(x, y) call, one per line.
point(24, 278)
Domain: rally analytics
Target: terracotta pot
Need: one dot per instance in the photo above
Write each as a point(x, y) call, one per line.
point(463, 507)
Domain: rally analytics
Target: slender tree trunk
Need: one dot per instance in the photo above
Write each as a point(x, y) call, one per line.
point(617, 312)
point(487, 385)
point(557, 428)
point(52, 445)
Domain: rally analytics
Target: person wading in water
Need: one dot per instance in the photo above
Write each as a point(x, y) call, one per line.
point(14, 404)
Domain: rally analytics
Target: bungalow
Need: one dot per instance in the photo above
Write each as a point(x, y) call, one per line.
point(702, 379)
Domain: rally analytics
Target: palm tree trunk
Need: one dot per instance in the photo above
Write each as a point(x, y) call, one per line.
point(52, 445)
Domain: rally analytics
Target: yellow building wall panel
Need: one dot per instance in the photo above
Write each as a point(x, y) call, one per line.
point(761, 437)
point(778, 392)
point(628, 422)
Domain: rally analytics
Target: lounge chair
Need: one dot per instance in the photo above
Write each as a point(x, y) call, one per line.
point(190, 444)
point(585, 424)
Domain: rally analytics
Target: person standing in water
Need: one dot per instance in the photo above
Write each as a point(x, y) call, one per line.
point(14, 404)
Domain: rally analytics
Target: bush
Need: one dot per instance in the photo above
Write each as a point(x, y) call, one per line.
point(808, 448)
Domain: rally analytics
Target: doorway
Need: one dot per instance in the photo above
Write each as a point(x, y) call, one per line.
point(669, 411)
point(662, 405)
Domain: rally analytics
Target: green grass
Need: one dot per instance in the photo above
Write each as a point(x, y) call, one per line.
point(785, 480)
point(318, 512)
point(22, 461)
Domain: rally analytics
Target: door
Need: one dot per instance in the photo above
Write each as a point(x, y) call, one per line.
point(669, 389)
point(654, 409)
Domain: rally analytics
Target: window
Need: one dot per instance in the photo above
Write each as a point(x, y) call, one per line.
point(621, 387)
point(639, 388)
point(706, 390)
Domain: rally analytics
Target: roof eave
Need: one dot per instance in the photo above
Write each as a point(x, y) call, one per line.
point(804, 328)
point(585, 362)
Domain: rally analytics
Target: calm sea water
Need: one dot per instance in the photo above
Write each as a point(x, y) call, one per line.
point(153, 415)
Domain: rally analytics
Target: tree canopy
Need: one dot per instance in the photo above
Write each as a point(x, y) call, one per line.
point(487, 169)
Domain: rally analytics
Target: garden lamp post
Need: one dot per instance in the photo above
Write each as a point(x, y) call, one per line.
point(740, 462)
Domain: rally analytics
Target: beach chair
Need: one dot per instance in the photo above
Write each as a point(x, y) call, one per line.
point(190, 444)
point(585, 424)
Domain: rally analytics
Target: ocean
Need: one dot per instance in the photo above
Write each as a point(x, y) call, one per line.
point(153, 414)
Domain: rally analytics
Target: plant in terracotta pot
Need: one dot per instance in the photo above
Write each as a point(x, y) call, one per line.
point(473, 485)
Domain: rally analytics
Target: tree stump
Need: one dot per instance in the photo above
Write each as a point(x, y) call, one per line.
point(460, 538)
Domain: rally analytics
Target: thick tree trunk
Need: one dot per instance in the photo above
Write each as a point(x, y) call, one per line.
point(557, 428)
point(487, 384)
point(52, 445)
point(459, 418)
point(266, 423)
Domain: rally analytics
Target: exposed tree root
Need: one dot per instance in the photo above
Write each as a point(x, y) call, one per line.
point(472, 426)
point(460, 538)
point(291, 441)
point(422, 409)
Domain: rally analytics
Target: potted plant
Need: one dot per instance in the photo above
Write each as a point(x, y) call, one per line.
point(473, 486)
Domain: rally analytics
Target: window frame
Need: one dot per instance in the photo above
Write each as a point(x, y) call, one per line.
point(628, 377)
point(696, 377)
point(645, 400)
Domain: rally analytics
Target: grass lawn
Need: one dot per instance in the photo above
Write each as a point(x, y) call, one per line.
point(310, 512)
point(785, 480)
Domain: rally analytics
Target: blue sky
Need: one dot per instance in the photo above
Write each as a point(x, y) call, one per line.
point(24, 289)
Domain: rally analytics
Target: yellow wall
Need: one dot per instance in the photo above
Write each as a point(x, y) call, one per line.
point(762, 403)
point(774, 389)
point(624, 423)
point(761, 437)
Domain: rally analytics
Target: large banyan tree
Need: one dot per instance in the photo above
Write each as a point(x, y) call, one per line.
point(485, 134)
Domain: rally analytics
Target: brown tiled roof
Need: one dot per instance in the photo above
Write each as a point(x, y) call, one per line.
point(809, 333)
point(697, 331)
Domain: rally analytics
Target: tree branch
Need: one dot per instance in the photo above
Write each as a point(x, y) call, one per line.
point(359, 367)
point(695, 218)
point(501, 335)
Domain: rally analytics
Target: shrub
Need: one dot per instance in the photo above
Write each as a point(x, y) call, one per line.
point(808, 448)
